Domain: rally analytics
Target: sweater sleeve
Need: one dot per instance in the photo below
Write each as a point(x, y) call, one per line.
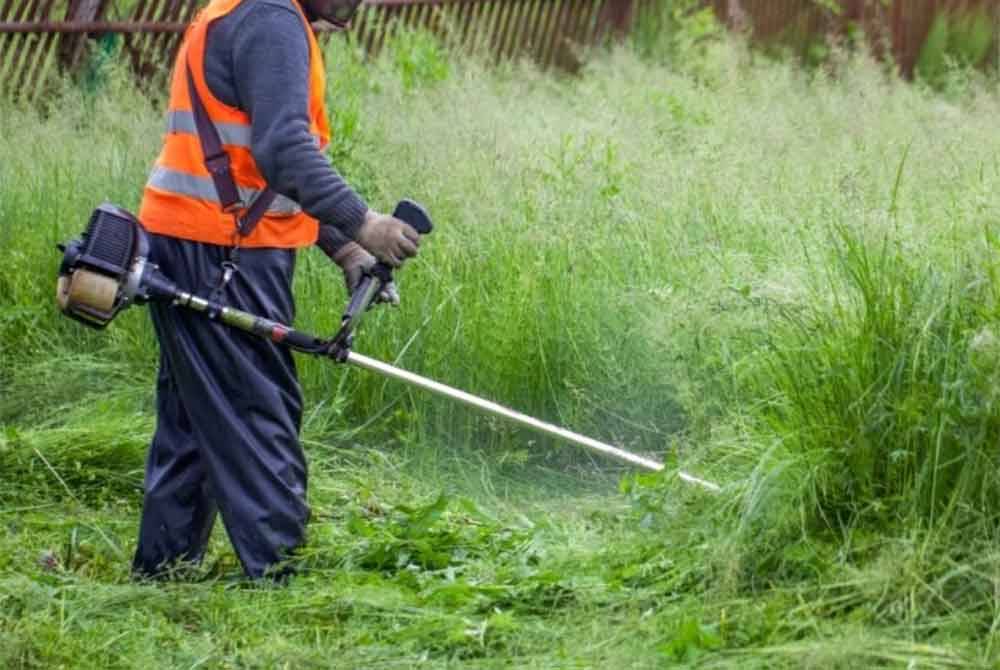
point(271, 72)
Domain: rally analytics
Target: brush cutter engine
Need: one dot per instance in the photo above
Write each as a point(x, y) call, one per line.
point(102, 272)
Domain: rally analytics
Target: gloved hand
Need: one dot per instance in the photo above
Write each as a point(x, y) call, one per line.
point(355, 261)
point(387, 238)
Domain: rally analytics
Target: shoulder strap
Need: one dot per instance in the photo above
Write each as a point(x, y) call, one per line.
point(219, 166)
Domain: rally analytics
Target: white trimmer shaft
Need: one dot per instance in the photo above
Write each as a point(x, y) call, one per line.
point(522, 419)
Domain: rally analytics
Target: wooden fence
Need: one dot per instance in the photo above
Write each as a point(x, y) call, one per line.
point(40, 38)
point(899, 27)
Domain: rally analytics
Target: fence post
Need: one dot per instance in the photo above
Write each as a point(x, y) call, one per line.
point(71, 48)
point(616, 17)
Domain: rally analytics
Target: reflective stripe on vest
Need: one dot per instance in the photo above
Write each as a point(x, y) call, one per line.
point(233, 134)
point(182, 183)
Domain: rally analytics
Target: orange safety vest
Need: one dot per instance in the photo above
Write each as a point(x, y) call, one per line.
point(180, 199)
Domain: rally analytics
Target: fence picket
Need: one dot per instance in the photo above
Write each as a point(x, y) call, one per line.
point(590, 33)
point(499, 25)
point(33, 72)
point(484, 31)
point(163, 44)
point(375, 21)
point(523, 47)
point(469, 22)
point(20, 48)
point(463, 21)
point(548, 32)
point(482, 26)
point(41, 8)
point(540, 32)
point(516, 45)
point(557, 35)
point(516, 30)
point(577, 27)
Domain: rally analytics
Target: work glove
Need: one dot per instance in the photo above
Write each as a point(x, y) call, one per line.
point(355, 262)
point(387, 238)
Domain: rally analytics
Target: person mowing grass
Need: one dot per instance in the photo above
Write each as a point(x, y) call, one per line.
point(240, 184)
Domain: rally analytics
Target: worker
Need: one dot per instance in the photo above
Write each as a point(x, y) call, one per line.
point(240, 185)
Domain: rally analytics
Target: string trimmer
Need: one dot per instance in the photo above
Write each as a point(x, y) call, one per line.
point(109, 269)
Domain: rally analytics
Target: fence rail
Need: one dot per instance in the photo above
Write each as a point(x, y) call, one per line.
point(40, 38)
point(75, 27)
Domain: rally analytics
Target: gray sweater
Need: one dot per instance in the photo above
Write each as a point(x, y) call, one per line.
point(257, 59)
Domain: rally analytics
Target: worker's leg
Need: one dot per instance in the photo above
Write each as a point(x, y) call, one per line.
point(178, 510)
point(242, 396)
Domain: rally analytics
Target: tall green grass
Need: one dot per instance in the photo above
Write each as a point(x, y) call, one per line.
point(784, 281)
point(885, 388)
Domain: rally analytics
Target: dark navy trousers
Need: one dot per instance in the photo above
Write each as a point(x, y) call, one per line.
point(229, 409)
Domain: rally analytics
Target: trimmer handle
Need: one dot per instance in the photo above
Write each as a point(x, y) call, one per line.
point(408, 212)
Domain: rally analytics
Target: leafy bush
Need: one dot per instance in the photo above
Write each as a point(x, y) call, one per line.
point(675, 31)
point(957, 41)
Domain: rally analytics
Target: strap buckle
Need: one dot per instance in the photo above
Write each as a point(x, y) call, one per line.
point(218, 164)
point(229, 268)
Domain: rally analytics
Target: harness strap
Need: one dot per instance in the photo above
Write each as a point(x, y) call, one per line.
point(219, 166)
point(255, 212)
